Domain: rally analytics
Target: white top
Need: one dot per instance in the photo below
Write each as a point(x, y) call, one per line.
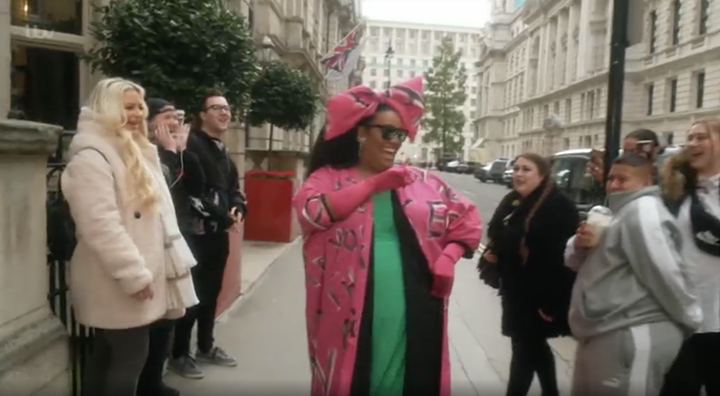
point(706, 274)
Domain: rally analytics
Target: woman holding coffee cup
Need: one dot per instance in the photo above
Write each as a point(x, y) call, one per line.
point(528, 233)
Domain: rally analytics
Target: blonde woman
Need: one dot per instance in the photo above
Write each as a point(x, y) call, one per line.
point(131, 265)
point(691, 185)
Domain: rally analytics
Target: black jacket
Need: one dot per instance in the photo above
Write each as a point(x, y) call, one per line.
point(185, 177)
point(220, 191)
point(543, 282)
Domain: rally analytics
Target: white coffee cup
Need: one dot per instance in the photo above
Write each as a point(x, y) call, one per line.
point(598, 219)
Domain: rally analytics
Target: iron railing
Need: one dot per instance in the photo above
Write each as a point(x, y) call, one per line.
point(80, 337)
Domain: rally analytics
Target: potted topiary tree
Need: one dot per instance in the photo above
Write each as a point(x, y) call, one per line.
point(283, 97)
point(286, 98)
point(176, 49)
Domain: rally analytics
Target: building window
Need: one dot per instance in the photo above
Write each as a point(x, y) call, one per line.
point(45, 85)
point(676, 22)
point(699, 89)
point(672, 99)
point(373, 72)
point(472, 115)
point(650, 92)
point(704, 14)
point(652, 32)
point(62, 16)
point(373, 84)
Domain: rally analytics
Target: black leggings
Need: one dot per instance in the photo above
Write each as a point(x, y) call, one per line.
point(116, 360)
point(697, 365)
point(151, 378)
point(531, 355)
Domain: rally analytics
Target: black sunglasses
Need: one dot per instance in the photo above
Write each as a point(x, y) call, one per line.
point(390, 132)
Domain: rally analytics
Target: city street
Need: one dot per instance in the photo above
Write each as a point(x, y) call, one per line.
point(266, 332)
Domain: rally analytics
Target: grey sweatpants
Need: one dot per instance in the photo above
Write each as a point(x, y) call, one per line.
point(628, 362)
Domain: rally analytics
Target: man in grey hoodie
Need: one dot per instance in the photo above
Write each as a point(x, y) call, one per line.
point(632, 305)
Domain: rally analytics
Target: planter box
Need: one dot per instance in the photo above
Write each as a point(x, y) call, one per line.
point(270, 213)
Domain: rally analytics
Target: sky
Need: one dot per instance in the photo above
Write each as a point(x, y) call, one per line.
point(470, 13)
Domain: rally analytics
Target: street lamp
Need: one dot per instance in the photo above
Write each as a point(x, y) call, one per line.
point(389, 52)
point(266, 49)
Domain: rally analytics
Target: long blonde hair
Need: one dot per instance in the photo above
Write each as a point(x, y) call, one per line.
point(677, 177)
point(106, 102)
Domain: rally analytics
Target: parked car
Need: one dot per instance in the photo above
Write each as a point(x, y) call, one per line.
point(481, 173)
point(462, 167)
point(507, 177)
point(494, 171)
point(442, 163)
point(468, 167)
point(452, 167)
point(569, 171)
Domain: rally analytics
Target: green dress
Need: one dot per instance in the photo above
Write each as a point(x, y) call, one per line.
point(389, 338)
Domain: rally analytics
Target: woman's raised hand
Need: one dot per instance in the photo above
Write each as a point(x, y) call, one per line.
point(392, 179)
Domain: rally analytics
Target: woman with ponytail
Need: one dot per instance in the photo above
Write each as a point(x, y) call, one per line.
point(131, 265)
point(527, 237)
point(690, 181)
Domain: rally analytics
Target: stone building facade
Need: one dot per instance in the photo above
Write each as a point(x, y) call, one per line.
point(544, 73)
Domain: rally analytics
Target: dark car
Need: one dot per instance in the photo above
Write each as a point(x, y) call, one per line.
point(467, 168)
point(481, 173)
point(507, 175)
point(496, 171)
point(570, 174)
point(492, 171)
point(441, 164)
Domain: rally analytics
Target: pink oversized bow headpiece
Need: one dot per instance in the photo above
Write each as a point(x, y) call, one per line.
point(346, 109)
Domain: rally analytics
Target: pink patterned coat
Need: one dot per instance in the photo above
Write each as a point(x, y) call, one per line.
point(336, 259)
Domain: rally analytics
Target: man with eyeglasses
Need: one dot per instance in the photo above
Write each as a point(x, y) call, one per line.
point(218, 209)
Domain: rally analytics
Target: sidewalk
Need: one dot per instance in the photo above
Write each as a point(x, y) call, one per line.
point(266, 333)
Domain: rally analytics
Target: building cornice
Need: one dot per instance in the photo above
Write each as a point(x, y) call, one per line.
point(579, 85)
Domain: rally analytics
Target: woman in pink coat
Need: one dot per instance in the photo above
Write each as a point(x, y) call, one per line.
point(381, 243)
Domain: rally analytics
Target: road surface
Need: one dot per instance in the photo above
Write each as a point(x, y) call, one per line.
point(267, 331)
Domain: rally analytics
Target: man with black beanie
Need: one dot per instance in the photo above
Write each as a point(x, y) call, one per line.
point(183, 174)
point(218, 207)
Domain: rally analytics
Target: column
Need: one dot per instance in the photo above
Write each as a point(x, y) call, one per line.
point(557, 79)
point(570, 69)
point(543, 55)
point(5, 57)
point(584, 42)
point(33, 342)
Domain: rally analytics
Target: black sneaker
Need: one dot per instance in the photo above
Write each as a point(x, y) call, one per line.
point(185, 367)
point(216, 356)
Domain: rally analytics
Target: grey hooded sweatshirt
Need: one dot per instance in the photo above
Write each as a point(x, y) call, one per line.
point(635, 275)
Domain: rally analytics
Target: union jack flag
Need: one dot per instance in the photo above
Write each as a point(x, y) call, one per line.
point(340, 56)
